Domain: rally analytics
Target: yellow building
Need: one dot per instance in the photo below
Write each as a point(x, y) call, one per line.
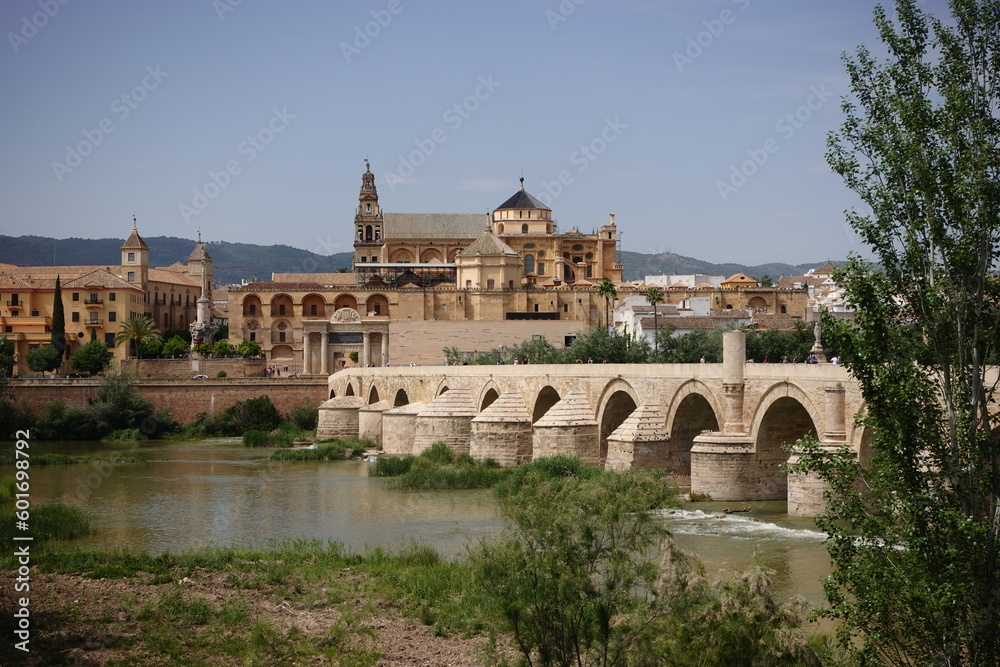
point(97, 299)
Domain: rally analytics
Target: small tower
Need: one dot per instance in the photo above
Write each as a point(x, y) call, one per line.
point(202, 329)
point(199, 265)
point(135, 259)
point(522, 213)
point(368, 223)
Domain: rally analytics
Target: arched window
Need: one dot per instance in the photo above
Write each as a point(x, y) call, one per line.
point(529, 264)
point(524, 229)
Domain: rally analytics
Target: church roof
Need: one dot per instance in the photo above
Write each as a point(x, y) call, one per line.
point(134, 240)
point(200, 252)
point(99, 278)
point(432, 225)
point(488, 244)
point(522, 199)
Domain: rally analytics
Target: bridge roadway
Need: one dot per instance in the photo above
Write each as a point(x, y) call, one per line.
point(723, 428)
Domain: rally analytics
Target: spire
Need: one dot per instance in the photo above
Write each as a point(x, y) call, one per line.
point(522, 181)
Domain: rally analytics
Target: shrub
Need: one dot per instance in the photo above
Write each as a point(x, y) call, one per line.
point(335, 451)
point(221, 374)
point(305, 417)
point(255, 438)
point(254, 413)
point(438, 453)
point(126, 435)
point(390, 466)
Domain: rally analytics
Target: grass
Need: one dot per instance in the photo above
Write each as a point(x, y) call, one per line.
point(51, 521)
point(176, 621)
point(438, 467)
point(334, 451)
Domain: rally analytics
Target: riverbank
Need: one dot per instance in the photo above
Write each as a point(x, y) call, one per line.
point(289, 603)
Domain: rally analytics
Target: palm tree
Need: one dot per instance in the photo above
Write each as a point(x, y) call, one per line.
point(654, 295)
point(138, 330)
point(606, 288)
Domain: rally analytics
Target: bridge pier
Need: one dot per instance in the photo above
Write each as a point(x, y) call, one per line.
point(502, 432)
point(447, 419)
point(338, 418)
point(399, 426)
point(569, 428)
point(806, 491)
point(370, 421)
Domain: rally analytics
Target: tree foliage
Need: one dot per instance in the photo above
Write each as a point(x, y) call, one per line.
point(44, 359)
point(58, 340)
point(175, 346)
point(91, 358)
point(606, 290)
point(914, 531)
point(137, 330)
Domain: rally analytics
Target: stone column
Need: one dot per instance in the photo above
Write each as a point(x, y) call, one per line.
point(306, 361)
point(734, 354)
point(367, 349)
point(836, 419)
point(385, 348)
point(324, 354)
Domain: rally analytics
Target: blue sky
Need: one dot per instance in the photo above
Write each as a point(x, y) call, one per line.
point(701, 124)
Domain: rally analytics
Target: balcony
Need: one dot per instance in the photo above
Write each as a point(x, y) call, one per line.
point(15, 305)
point(93, 302)
point(93, 323)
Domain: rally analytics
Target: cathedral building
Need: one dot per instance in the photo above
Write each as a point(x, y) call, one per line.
point(421, 282)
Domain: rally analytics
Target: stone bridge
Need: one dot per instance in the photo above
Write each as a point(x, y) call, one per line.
point(722, 428)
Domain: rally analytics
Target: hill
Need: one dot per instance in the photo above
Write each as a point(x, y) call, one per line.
point(236, 262)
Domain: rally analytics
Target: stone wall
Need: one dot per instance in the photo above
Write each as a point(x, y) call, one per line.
point(423, 342)
point(185, 398)
point(186, 369)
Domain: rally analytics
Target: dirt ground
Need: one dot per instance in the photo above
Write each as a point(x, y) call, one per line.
point(81, 621)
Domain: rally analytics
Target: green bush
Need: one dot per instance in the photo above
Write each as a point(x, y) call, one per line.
point(126, 435)
point(221, 374)
point(304, 416)
point(438, 453)
point(256, 438)
point(390, 466)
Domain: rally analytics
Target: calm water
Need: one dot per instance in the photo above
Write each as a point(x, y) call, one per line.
point(219, 492)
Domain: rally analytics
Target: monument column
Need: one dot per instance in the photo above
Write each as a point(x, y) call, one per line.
point(367, 349)
point(385, 348)
point(306, 361)
point(722, 462)
point(324, 353)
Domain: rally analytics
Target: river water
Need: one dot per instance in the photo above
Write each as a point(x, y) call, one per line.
point(189, 494)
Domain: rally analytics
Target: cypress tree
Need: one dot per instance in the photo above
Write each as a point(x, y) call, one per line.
point(58, 320)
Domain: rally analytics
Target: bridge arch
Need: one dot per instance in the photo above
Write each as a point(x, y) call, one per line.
point(350, 390)
point(373, 395)
point(441, 388)
point(546, 398)
point(617, 401)
point(693, 409)
point(400, 399)
point(784, 414)
point(489, 393)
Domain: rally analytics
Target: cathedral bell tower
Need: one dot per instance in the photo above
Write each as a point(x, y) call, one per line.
point(368, 223)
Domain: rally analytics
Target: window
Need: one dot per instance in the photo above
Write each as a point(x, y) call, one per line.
point(364, 259)
point(112, 316)
point(374, 259)
point(589, 255)
point(131, 257)
point(111, 296)
point(76, 296)
point(577, 248)
point(93, 297)
point(541, 253)
point(510, 284)
point(541, 267)
point(253, 335)
point(312, 309)
point(536, 307)
point(281, 336)
point(253, 309)
point(378, 309)
point(529, 246)
point(565, 307)
point(590, 271)
point(76, 317)
point(529, 264)
point(490, 284)
point(783, 310)
point(13, 300)
point(368, 208)
point(577, 259)
point(524, 229)
point(34, 313)
point(131, 278)
point(93, 317)
point(109, 339)
point(281, 309)
point(468, 284)
point(8, 329)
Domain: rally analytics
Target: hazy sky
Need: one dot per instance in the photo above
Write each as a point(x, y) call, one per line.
point(701, 123)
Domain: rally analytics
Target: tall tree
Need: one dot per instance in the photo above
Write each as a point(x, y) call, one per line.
point(59, 321)
point(915, 531)
point(654, 296)
point(138, 330)
point(606, 289)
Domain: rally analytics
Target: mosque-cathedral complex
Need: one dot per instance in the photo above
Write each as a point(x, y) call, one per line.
point(420, 282)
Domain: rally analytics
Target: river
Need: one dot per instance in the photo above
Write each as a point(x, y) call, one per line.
point(190, 494)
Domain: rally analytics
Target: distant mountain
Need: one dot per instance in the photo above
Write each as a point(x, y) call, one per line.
point(639, 265)
point(232, 262)
point(235, 262)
